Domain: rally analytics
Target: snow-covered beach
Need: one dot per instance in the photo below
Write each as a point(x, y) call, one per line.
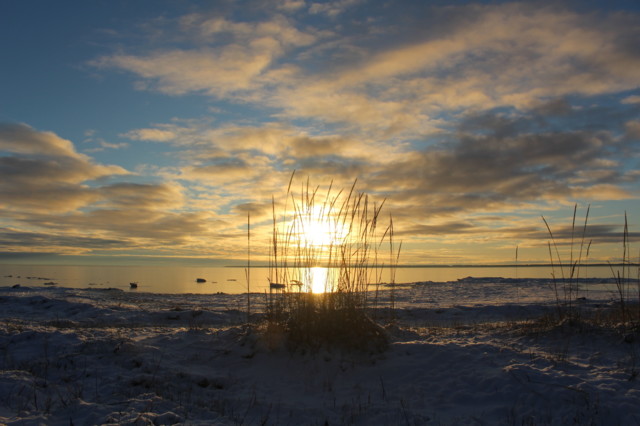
point(474, 351)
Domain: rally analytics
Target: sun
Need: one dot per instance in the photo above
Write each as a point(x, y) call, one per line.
point(320, 229)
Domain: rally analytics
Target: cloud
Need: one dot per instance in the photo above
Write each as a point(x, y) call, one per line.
point(259, 209)
point(222, 169)
point(103, 145)
point(492, 161)
point(460, 110)
point(269, 139)
point(496, 165)
point(448, 228)
point(590, 50)
point(210, 71)
point(332, 8)
point(476, 62)
point(57, 200)
point(54, 197)
point(44, 172)
point(142, 196)
point(13, 239)
point(107, 145)
point(145, 228)
point(633, 129)
point(223, 157)
point(117, 230)
point(597, 233)
point(277, 141)
point(278, 29)
point(57, 157)
point(306, 146)
point(398, 81)
point(290, 5)
point(216, 69)
point(22, 139)
point(150, 134)
point(123, 217)
point(631, 100)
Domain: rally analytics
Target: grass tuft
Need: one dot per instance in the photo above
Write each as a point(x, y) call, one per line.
point(566, 270)
point(324, 257)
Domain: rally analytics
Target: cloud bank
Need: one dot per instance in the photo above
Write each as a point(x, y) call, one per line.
point(469, 119)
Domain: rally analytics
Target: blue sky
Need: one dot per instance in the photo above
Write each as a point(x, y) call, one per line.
point(150, 128)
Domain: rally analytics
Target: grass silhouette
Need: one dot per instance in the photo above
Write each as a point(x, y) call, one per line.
point(338, 233)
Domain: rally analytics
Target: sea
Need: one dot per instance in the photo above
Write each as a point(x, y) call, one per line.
point(233, 280)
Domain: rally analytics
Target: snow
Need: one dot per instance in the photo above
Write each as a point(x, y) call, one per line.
point(471, 351)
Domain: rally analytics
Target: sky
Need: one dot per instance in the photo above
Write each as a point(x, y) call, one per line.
point(150, 129)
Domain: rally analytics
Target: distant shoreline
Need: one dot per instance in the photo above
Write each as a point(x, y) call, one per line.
point(526, 265)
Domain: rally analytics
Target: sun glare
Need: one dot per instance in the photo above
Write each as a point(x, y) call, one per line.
point(320, 229)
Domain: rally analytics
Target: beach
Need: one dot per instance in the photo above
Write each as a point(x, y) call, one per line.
point(471, 351)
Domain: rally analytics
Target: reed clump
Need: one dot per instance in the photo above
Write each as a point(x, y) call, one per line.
point(569, 268)
point(566, 272)
point(325, 256)
point(628, 312)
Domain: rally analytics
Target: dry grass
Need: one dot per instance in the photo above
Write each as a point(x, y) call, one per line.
point(326, 253)
point(629, 302)
point(566, 272)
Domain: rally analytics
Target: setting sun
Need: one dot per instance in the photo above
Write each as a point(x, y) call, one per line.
point(319, 228)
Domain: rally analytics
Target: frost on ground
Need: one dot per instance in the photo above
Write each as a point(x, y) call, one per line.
point(475, 351)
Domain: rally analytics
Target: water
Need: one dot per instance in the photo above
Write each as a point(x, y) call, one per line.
point(182, 279)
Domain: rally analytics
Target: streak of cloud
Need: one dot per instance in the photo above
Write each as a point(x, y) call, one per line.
point(43, 172)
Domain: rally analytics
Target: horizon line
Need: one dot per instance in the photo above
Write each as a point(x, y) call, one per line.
point(461, 265)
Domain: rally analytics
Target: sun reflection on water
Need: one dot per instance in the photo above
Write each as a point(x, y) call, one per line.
point(318, 279)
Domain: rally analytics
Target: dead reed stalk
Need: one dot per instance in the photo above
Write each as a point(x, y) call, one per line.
point(567, 291)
